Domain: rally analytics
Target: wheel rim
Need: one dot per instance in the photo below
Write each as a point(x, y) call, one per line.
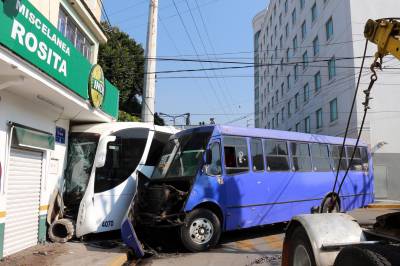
point(301, 257)
point(201, 231)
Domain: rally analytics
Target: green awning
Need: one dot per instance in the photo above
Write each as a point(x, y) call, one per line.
point(33, 139)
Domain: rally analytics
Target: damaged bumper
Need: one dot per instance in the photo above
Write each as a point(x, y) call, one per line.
point(130, 238)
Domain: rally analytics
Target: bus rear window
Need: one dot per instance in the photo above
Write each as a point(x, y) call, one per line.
point(276, 154)
point(360, 158)
point(236, 155)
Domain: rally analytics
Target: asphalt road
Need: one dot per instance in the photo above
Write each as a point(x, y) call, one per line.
point(259, 246)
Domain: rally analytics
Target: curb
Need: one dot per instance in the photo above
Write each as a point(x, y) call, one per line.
point(383, 206)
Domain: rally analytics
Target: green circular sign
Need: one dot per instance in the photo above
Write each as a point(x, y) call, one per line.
point(96, 86)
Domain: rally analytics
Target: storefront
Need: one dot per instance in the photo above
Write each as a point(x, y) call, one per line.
point(45, 85)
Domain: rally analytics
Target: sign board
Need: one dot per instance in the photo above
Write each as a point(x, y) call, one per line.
point(26, 32)
point(96, 86)
point(60, 135)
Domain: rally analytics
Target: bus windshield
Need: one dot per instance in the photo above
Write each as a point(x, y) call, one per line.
point(81, 152)
point(182, 156)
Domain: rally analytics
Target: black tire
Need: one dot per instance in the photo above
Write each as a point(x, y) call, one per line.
point(369, 255)
point(60, 231)
point(297, 240)
point(327, 202)
point(190, 241)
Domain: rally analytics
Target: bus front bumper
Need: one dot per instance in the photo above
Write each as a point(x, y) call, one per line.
point(130, 238)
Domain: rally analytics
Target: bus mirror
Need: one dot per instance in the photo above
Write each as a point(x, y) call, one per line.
point(102, 150)
point(208, 158)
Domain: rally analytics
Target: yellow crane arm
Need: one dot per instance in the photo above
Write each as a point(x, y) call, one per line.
point(385, 33)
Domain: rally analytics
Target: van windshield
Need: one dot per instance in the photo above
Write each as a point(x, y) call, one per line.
point(81, 153)
point(182, 156)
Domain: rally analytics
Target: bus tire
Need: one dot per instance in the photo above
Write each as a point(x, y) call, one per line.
point(201, 230)
point(297, 249)
point(60, 231)
point(361, 255)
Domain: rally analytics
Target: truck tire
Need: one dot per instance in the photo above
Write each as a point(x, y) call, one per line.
point(368, 255)
point(201, 230)
point(60, 231)
point(297, 249)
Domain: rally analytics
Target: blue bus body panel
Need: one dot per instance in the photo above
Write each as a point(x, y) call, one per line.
point(257, 198)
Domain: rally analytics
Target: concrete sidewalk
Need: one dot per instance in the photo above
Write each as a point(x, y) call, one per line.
point(385, 204)
point(70, 254)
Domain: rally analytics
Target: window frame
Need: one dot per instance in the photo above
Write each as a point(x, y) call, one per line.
point(262, 155)
point(225, 168)
point(265, 143)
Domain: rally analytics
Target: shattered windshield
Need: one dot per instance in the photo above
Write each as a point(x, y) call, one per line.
point(182, 156)
point(81, 152)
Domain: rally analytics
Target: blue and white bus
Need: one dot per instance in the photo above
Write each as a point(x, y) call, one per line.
point(219, 178)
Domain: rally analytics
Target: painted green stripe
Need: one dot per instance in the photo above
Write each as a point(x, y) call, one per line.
point(1, 240)
point(42, 228)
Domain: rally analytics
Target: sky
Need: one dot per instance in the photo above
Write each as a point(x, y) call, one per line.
point(216, 30)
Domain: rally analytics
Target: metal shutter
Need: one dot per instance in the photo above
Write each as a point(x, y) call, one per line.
point(22, 200)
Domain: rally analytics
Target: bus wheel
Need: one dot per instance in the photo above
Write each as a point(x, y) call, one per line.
point(298, 250)
point(327, 203)
point(201, 230)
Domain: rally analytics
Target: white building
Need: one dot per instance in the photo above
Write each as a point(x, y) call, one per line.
point(309, 54)
point(47, 82)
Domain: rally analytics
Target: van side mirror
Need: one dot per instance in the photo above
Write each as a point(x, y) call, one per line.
point(208, 158)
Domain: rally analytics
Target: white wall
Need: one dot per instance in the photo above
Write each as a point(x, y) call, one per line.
point(19, 110)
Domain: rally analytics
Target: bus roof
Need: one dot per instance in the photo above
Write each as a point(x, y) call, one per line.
point(273, 134)
point(105, 128)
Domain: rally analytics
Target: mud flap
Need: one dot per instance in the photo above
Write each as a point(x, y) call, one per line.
point(130, 238)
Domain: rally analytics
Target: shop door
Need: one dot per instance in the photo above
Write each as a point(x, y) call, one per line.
point(22, 200)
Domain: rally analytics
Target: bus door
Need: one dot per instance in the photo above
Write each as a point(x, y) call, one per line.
point(239, 184)
point(113, 180)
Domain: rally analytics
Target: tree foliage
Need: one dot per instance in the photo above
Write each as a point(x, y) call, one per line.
point(122, 60)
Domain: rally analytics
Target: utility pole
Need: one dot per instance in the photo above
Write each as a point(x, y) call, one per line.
point(150, 65)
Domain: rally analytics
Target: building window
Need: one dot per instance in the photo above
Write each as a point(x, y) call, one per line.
point(281, 64)
point(314, 12)
point(331, 68)
point(269, 125)
point(317, 81)
point(302, 4)
point(282, 88)
point(294, 16)
point(306, 93)
point(329, 29)
point(273, 122)
point(288, 82)
point(283, 114)
point(289, 111)
point(333, 110)
point(305, 60)
point(316, 46)
point(280, 19)
point(277, 119)
point(273, 101)
point(281, 42)
point(277, 96)
point(70, 30)
point(298, 127)
point(275, 30)
point(303, 30)
point(307, 126)
point(296, 101)
point(286, 6)
point(287, 55)
point(318, 115)
point(294, 44)
point(269, 107)
point(296, 71)
point(287, 30)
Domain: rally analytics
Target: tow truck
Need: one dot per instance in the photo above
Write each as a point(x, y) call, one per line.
point(321, 239)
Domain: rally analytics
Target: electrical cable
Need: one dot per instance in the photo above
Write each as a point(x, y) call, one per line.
point(348, 124)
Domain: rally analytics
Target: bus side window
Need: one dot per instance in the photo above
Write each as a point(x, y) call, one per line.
point(301, 157)
point(276, 154)
point(236, 155)
point(123, 156)
point(320, 157)
point(214, 168)
point(335, 154)
point(257, 155)
point(357, 162)
point(364, 158)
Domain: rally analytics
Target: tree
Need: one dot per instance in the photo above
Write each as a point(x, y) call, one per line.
point(122, 60)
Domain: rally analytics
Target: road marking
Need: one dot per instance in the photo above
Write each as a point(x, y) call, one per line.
point(274, 241)
point(245, 244)
point(119, 260)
